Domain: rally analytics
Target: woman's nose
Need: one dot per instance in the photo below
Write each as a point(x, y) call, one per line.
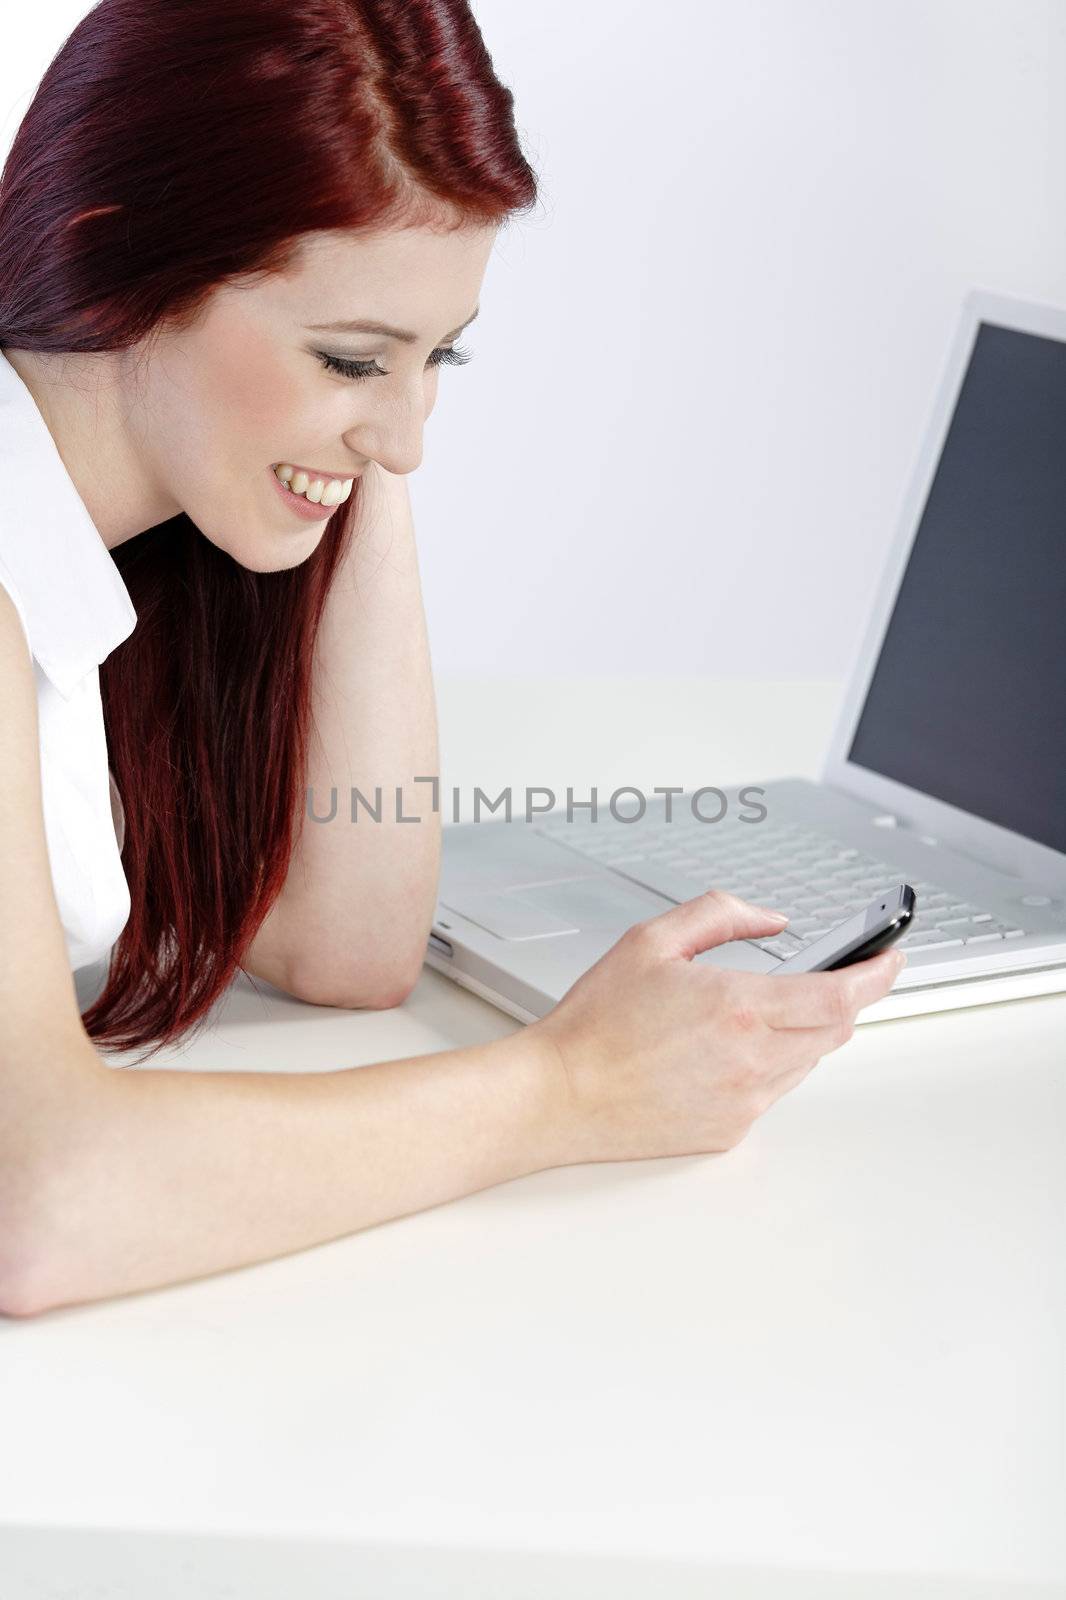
point(393, 437)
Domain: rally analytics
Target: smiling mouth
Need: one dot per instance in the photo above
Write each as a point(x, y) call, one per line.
point(318, 489)
point(290, 468)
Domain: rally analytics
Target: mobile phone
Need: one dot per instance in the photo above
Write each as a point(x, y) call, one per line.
point(865, 934)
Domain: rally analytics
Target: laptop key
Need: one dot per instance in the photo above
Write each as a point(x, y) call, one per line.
point(781, 944)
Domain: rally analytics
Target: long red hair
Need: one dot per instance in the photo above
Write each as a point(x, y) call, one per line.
point(170, 149)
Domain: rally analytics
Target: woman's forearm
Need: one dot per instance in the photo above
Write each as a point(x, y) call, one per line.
point(351, 921)
point(174, 1175)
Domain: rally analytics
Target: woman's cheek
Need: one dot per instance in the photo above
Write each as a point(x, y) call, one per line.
point(249, 386)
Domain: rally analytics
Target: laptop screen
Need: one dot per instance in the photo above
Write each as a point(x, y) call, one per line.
point(968, 700)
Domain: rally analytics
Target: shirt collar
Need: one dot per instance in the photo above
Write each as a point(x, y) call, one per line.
point(76, 605)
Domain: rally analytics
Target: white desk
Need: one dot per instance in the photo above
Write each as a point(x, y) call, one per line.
point(828, 1363)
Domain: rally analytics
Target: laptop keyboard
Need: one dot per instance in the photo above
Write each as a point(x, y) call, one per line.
point(814, 879)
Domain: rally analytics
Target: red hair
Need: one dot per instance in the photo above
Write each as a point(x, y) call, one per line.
point(170, 149)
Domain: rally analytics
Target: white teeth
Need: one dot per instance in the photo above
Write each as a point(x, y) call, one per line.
point(320, 491)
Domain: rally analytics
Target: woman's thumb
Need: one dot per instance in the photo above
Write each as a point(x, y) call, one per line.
point(714, 918)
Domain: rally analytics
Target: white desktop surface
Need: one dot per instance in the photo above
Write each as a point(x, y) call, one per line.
point(827, 1363)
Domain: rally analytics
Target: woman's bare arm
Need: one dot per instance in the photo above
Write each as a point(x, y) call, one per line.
point(114, 1180)
point(160, 1176)
point(350, 924)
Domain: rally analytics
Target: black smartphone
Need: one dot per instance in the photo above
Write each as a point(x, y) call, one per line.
point(865, 934)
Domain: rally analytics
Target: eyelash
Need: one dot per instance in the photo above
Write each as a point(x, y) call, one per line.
point(444, 356)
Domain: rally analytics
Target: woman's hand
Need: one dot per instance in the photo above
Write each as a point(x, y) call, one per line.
point(657, 1056)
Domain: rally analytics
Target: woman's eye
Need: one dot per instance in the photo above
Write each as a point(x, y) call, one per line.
point(446, 355)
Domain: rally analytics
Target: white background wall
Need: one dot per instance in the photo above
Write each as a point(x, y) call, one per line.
point(703, 368)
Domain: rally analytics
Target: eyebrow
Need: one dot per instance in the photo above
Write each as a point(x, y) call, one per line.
point(383, 329)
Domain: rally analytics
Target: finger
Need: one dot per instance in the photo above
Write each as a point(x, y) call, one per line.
point(795, 1054)
point(823, 999)
point(790, 1053)
point(707, 920)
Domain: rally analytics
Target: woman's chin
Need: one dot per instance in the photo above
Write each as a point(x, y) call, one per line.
point(273, 553)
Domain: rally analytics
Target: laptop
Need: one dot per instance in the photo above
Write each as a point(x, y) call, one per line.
point(946, 769)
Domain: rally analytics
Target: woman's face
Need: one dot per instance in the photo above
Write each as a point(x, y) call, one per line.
point(211, 411)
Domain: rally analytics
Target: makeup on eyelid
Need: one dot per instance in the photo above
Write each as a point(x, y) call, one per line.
point(349, 367)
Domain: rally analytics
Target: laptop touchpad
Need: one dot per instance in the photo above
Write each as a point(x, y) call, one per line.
point(546, 910)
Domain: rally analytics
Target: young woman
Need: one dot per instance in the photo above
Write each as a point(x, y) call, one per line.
point(236, 245)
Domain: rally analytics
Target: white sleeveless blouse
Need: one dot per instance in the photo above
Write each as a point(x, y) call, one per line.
point(75, 609)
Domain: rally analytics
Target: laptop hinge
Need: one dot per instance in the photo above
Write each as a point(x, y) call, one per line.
point(892, 819)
